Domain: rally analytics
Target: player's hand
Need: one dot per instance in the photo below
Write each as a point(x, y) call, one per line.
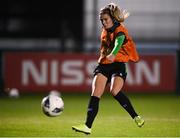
point(111, 57)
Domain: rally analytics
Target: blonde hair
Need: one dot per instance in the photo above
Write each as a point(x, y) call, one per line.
point(115, 12)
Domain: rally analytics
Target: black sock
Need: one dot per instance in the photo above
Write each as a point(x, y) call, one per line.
point(126, 104)
point(92, 110)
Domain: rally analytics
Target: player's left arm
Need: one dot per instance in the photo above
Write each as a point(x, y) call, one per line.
point(117, 45)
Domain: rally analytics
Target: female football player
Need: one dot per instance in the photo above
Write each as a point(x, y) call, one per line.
point(117, 48)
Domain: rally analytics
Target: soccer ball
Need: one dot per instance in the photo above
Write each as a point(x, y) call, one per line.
point(52, 105)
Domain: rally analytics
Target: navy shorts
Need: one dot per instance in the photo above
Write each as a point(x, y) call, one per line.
point(111, 70)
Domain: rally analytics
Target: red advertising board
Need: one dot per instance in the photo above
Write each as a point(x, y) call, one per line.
point(39, 72)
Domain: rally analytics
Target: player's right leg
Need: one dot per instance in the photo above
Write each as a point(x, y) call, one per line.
point(98, 86)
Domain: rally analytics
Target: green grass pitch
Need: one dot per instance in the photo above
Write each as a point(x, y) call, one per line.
point(23, 117)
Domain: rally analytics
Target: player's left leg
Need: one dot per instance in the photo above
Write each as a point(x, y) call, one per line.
point(116, 85)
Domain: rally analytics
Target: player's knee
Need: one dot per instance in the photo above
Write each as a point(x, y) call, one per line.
point(97, 92)
point(114, 92)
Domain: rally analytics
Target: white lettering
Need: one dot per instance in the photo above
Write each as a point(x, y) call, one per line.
point(39, 75)
point(77, 72)
point(152, 76)
point(54, 73)
point(73, 71)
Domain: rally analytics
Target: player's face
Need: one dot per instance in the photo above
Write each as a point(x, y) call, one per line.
point(106, 20)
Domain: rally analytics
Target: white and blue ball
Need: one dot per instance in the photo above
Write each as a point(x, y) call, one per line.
point(52, 105)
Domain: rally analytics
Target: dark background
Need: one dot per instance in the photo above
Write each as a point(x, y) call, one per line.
point(34, 19)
